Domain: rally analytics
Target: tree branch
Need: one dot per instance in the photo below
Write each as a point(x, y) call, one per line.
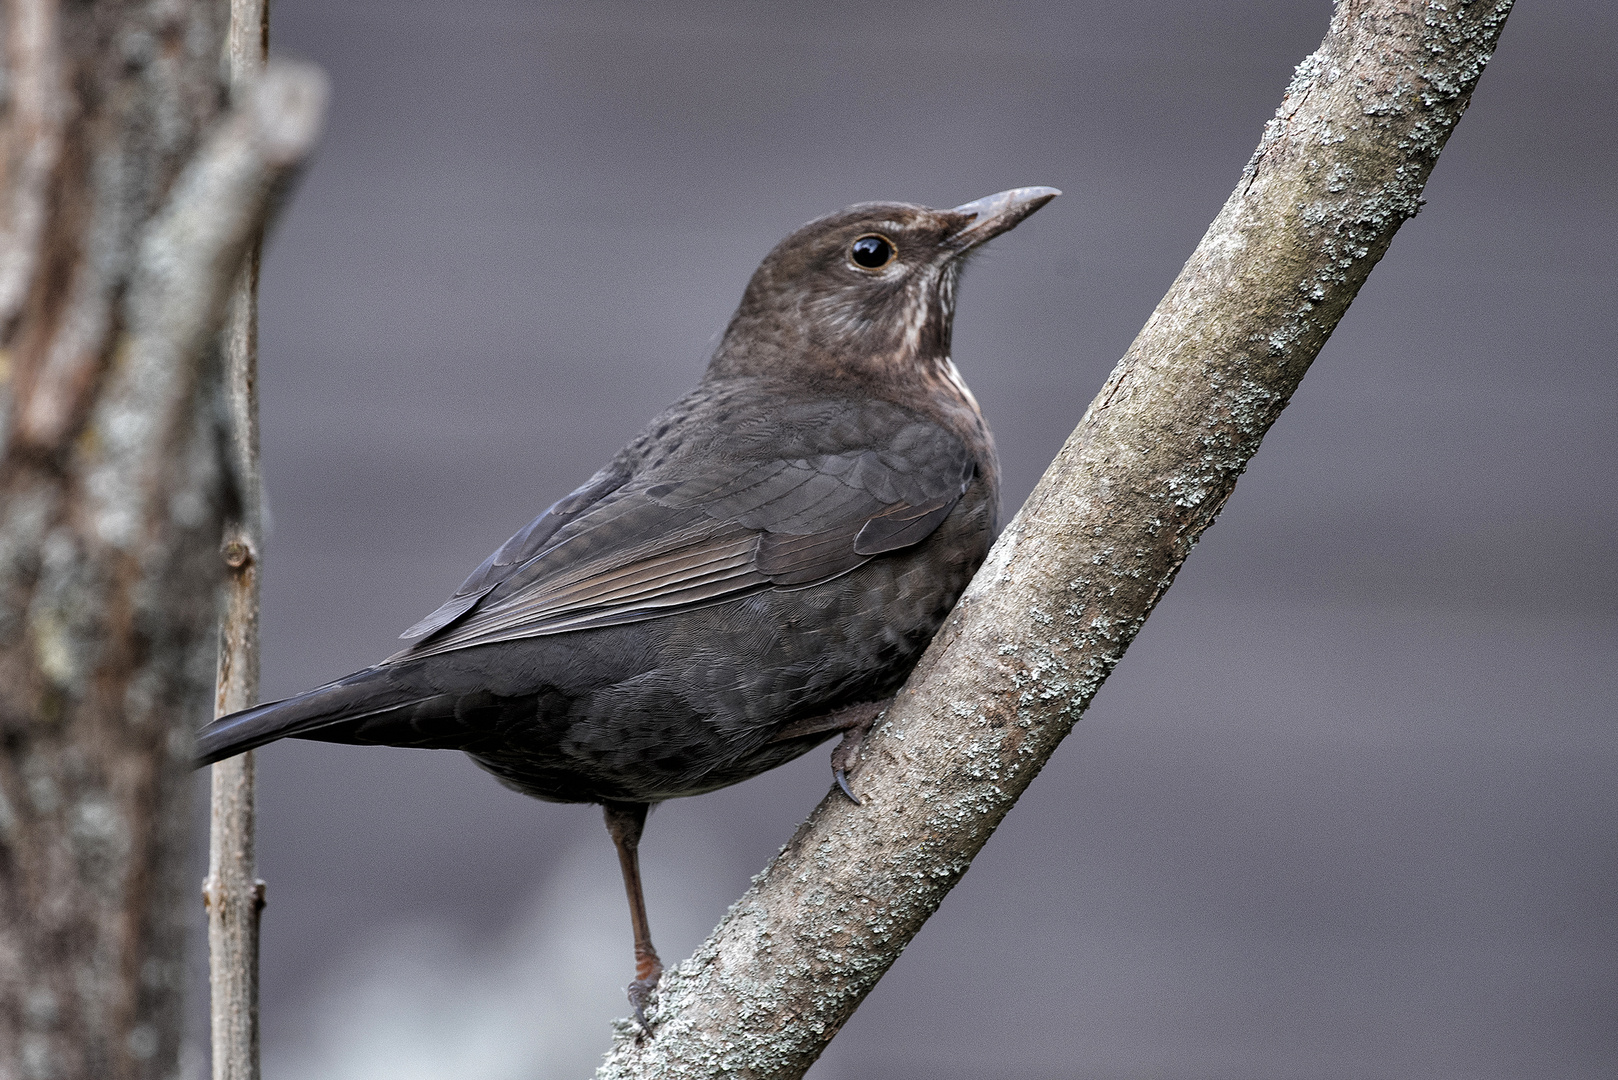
point(184, 270)
point(232, 892)
point(1076, 573)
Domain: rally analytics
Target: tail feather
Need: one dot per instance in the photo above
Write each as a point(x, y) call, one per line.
point(342, 703)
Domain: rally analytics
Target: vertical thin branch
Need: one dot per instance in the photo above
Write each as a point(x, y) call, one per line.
point(233, 895)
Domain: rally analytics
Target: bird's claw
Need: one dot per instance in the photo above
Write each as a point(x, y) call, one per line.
point(842, 782)
point(848, 752)
point(640, 992)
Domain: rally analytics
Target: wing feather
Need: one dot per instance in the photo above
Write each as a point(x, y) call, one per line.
point(794, 561)
point(623, 547)
point(902, 525)
point(521, 548)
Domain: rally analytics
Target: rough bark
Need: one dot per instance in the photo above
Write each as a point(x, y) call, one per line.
point(232, 892)
point(126, 203)
point(1078, 570)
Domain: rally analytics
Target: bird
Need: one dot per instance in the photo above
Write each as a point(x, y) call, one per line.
point(757, 570)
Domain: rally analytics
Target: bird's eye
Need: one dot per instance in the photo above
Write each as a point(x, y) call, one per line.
point(872, 252)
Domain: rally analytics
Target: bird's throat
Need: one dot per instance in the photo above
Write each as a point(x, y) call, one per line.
point(952, 377)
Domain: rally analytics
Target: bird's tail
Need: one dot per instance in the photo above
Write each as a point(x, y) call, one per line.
point(328, 712)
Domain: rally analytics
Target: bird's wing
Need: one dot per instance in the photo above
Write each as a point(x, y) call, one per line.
point(528, 543)
point(623, 550)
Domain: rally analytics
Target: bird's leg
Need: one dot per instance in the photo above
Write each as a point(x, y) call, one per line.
point(854, 722)
point(625, 822)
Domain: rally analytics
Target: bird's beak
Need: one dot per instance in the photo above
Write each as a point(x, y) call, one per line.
point(990, 216)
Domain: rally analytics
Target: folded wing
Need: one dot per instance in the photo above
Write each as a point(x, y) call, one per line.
point(624, 549)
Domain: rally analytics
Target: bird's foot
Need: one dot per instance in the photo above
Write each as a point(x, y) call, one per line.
point(648, 971)
point(853, 722)
point(640, 992)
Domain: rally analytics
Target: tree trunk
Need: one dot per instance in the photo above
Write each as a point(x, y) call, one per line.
point(126, 202)
point(1075, 575)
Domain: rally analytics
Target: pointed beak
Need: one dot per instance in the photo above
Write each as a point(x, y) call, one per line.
point(988, 217)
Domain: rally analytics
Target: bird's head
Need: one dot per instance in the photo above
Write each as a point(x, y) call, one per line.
point(864, 295)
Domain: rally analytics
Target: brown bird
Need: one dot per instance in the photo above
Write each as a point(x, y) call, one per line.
point(758, 569)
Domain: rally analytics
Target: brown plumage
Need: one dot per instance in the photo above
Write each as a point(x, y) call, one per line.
point(759, 568)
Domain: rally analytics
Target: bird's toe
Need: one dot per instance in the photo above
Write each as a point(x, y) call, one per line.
point(640, 993)
point(842, 782)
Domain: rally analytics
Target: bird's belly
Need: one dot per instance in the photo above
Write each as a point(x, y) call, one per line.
point(701, 709)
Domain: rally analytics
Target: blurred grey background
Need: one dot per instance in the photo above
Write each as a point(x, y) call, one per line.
point(1346, 809)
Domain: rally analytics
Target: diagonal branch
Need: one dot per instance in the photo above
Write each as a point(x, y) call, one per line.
point(1075, 575)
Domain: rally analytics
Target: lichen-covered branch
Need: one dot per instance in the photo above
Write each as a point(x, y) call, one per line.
point(121, 239)
point(1078, 570)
